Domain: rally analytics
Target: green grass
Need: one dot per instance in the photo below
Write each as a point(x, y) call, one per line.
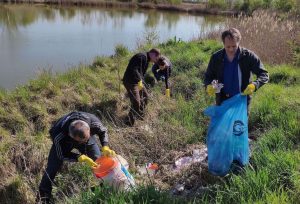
point(27, 113)
point(273, 176)
point(252, 5)
point(140, 195)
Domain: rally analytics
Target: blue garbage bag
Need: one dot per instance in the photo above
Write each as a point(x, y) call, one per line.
point(227, 137)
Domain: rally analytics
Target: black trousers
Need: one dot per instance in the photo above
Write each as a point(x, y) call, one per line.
point(54, 164)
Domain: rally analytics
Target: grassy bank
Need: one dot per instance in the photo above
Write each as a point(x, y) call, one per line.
point(249, 6)
point(174, 128)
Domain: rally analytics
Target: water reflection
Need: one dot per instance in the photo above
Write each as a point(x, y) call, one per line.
point(38, 37)
point(14, 16)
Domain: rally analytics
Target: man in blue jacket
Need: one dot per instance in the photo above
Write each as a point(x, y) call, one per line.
point(233, 66)
point(76, 130)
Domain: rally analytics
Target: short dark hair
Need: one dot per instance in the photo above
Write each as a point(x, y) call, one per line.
point(161, 61)
point(232, 33)
point(77, 129)
point(155, 51)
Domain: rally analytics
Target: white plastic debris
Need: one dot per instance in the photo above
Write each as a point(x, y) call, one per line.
point(179, 187)
point(123, 161)
point(183, 162)
point(149, 168)
point(217, 86)
point(199, 155)
point(147, 128)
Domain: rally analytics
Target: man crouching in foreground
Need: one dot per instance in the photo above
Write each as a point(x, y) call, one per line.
point(76, 130)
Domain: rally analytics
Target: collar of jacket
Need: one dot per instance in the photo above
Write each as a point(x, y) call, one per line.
point(241, 55)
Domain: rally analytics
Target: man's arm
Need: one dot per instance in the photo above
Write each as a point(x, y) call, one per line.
point(155, 72)
point(137, 67)
point(209, 74)
point(258, 69)
point(63, 150)
point(98, 128)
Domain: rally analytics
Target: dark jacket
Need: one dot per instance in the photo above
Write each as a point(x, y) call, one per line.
point(63, 142)
point(136, 68)
point(248, 62)
point(166, 73)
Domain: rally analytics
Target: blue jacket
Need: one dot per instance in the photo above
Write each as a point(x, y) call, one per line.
point(249, 64)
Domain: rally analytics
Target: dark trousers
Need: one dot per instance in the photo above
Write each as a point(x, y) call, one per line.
point(161, 76)
point(54, 164)
point(138, 99)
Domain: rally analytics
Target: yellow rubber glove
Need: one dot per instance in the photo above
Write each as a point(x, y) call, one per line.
point(249, 90)
point(85, 159)
point(210, 90)
point(168, 93)
point(106, 151)
point(140, 85)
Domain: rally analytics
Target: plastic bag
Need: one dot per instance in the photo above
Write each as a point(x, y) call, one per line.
point(227, 137)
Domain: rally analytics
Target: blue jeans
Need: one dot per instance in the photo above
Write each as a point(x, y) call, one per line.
point(54, 163)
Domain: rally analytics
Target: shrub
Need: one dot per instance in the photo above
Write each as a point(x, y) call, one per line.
point(256, 4)
point(284, 5)
point(220, 4)
point(121, 51)
point(286, 75)
point(99, 62)
point(238, 4)
point(267, 35)
point(297, 56)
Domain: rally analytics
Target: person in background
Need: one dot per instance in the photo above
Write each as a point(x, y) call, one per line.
point(133, 81)
point(162, 71)
point(233, 66)
point(76, 130)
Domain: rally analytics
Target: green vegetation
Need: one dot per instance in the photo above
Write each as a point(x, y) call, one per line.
point(251, 5)
point(160, 1)
point(220, 4)
point(27, 112)
point(175, 125)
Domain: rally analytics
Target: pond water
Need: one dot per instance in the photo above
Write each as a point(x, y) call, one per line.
point(41, 37)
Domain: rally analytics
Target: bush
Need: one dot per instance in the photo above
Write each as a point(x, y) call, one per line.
point(286, 75)
point(284, 5)
point(275, 40)
point(297, 57)
point(175, 1)
point(100, 62)
point(238, 4)
point(255, 4)
point(271, 39)
point(121, 51)
point(220, 4)
point(161, 1)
